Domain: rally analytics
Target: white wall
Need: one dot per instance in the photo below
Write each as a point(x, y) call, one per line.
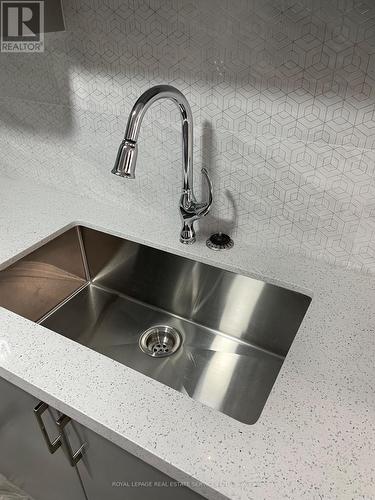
point(283, 96)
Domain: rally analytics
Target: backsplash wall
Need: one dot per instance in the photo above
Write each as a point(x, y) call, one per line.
point(283, 97)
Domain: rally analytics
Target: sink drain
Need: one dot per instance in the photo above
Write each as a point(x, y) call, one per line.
point(160, 341)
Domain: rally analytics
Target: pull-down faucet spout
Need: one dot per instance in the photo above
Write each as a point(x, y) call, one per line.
point(126, 159)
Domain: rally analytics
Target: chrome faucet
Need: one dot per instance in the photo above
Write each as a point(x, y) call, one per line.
point(190, 209)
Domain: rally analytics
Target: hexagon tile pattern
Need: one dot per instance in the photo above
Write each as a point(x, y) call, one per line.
point(283, 96)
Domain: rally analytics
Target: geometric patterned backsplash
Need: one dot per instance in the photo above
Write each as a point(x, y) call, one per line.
point(283, 98)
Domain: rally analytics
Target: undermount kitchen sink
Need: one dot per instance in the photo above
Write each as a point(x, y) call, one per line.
point(216, 336)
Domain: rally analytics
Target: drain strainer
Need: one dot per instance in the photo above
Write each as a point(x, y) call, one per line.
point(160, 341)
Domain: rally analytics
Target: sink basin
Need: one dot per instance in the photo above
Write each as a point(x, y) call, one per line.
point(216, 336)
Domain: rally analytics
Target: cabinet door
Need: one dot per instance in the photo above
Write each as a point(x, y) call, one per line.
point(24, 456)
point(109, 472)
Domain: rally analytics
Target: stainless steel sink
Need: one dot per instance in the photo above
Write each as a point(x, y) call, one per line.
point(213, 335)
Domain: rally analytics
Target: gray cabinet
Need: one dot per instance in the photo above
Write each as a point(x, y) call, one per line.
point(81, 465)
point(24, 456)
point(109, 472)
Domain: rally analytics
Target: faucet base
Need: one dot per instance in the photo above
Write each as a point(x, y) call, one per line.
point(187, 242)
point(187, 235)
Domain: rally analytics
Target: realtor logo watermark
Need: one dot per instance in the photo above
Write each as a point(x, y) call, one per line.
point(22, 26)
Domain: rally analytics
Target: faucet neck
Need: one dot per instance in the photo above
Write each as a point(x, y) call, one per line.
point(139, 110)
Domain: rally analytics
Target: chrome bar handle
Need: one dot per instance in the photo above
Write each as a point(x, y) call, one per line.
point(54, 445)
point(74, 457)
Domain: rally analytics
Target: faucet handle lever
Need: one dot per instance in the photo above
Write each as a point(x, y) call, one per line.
point(192, 211)
point(207, 204)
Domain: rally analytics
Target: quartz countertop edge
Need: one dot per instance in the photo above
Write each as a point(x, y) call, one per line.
point(314, 438)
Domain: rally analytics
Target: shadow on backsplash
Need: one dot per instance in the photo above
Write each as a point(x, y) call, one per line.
point(35, 93)
point(216, 220)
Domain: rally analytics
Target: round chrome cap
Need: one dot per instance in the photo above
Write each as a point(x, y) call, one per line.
point(219, 241)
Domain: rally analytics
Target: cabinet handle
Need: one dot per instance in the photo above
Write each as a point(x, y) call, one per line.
point(74, 457)
point(54, 445)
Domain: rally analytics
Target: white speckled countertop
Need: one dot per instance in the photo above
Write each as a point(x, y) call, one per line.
point(316, 435)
